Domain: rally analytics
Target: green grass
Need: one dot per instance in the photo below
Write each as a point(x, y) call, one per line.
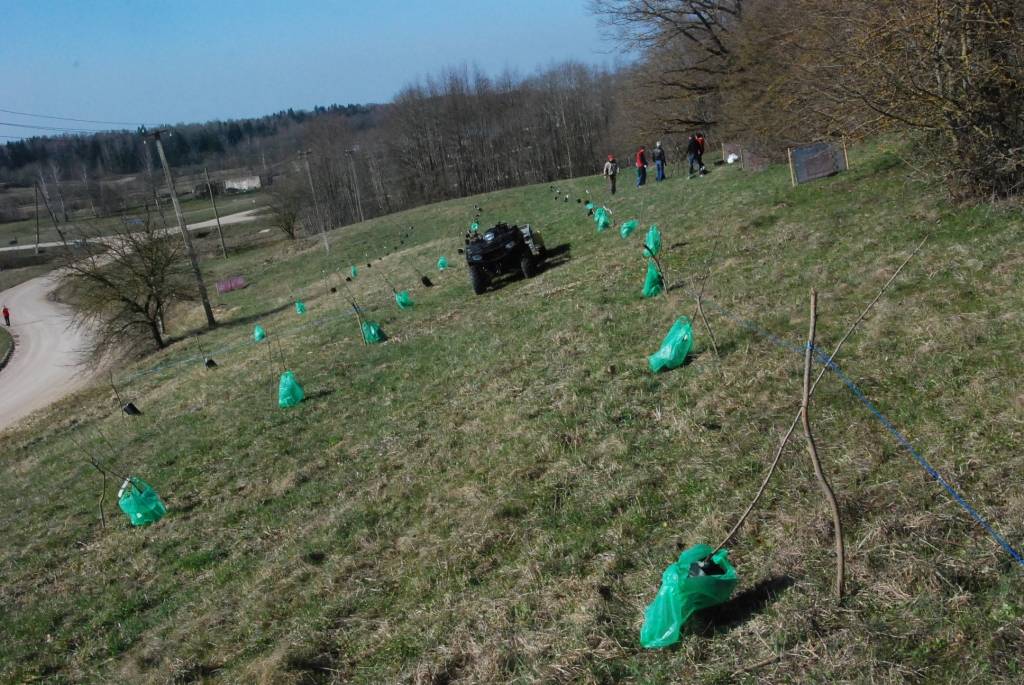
point(6, 342)
point(492, 495)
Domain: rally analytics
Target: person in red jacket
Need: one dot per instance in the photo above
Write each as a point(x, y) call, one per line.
point(641, 166)
point(7, 316)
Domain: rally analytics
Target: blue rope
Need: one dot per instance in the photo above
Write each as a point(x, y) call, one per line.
point(882, 418)
point(918, 457)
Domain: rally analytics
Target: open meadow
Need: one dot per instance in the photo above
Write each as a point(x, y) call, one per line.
point(492, 494)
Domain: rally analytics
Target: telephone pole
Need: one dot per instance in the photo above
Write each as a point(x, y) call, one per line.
point(316, 203)
point(220, 232)
point(355, 180)
point(35, 187)
point(192, 258)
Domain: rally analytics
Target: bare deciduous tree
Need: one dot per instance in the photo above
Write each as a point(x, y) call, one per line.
point(124, 285)
point(287, 199)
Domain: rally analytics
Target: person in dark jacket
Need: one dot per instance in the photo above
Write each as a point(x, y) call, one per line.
point(693, 153)
point(641, 166)
point(659, 161)
point(700, 153)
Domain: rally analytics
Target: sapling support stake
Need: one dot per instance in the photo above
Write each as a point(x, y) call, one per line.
point(127, 408)
point(355, 308)
point(103, 471)
point(792, 426)
point(207, 361)
point(812, 451)
point(661, 271)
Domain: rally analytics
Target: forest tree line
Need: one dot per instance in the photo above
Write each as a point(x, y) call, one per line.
point(778, 73)
point(767, 74)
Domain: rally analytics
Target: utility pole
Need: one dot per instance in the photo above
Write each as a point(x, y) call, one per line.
point(316, 203)
point(355, 181)
point(220, 232)
point(192, 258)
point(35, 187)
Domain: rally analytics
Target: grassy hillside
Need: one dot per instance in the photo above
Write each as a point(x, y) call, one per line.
point(493, 494)
point(6, 342)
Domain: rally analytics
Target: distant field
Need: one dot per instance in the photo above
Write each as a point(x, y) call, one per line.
point(492, 495)
point(195, 210)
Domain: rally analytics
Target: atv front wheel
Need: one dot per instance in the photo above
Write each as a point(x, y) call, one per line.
point(478, 279)
point(529, 266)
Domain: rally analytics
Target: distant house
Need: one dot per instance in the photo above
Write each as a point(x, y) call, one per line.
point(242, 184)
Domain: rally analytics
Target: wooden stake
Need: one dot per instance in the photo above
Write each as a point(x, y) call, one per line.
point(193, 258)
point(812, 451)
point(792, 172)
point(216, 214)
point(846, 156)
point(35, 187)
point(796, 419)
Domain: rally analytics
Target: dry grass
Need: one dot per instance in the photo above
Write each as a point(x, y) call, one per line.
point(492, 495)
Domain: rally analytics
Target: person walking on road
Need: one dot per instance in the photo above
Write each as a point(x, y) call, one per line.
point(7, 316)
point(611, 170)
point(659, 161)
point(641, 166)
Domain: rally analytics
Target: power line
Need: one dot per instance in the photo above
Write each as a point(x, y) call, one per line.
point(83, 121)
point(56, 128)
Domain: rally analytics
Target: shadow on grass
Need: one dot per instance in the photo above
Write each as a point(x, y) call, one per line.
point(556, 256)
point(318, 394)
point(741, 608)
point(232, 323)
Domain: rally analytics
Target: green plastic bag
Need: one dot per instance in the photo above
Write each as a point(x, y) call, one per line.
point(674, 347)
point(601, 218)
point(354, 271)
point(300, 307)
point(628, 227)
point(258, 333)
point(474, 227)
point(140, 502)
point(372, 332)
point(403, 300)
point(652, 243)
point(442, 263)
point(686, 588)
point(653, 283)
point(289, 392)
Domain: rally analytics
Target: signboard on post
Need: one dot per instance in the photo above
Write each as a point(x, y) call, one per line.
point(820, 160)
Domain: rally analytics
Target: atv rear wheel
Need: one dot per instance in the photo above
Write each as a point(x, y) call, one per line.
point(478, 279)
point(528, 265)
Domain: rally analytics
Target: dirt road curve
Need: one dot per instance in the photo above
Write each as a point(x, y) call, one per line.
point(42, 369)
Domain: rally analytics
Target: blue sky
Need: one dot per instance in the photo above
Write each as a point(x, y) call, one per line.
point(186, 60)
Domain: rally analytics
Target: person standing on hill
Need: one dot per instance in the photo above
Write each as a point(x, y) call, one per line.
point(700, 153)
point(659, 161)
point(695, 153)
point(7, 316)
point(611, 170)
point(641, 166)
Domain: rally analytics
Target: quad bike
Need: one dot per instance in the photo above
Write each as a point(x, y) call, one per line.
point(503, 249)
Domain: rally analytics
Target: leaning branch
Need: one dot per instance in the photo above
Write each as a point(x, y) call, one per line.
point(796, 419)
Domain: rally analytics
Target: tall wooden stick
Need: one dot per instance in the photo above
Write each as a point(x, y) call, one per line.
point(792, 426)
point(812, 451)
